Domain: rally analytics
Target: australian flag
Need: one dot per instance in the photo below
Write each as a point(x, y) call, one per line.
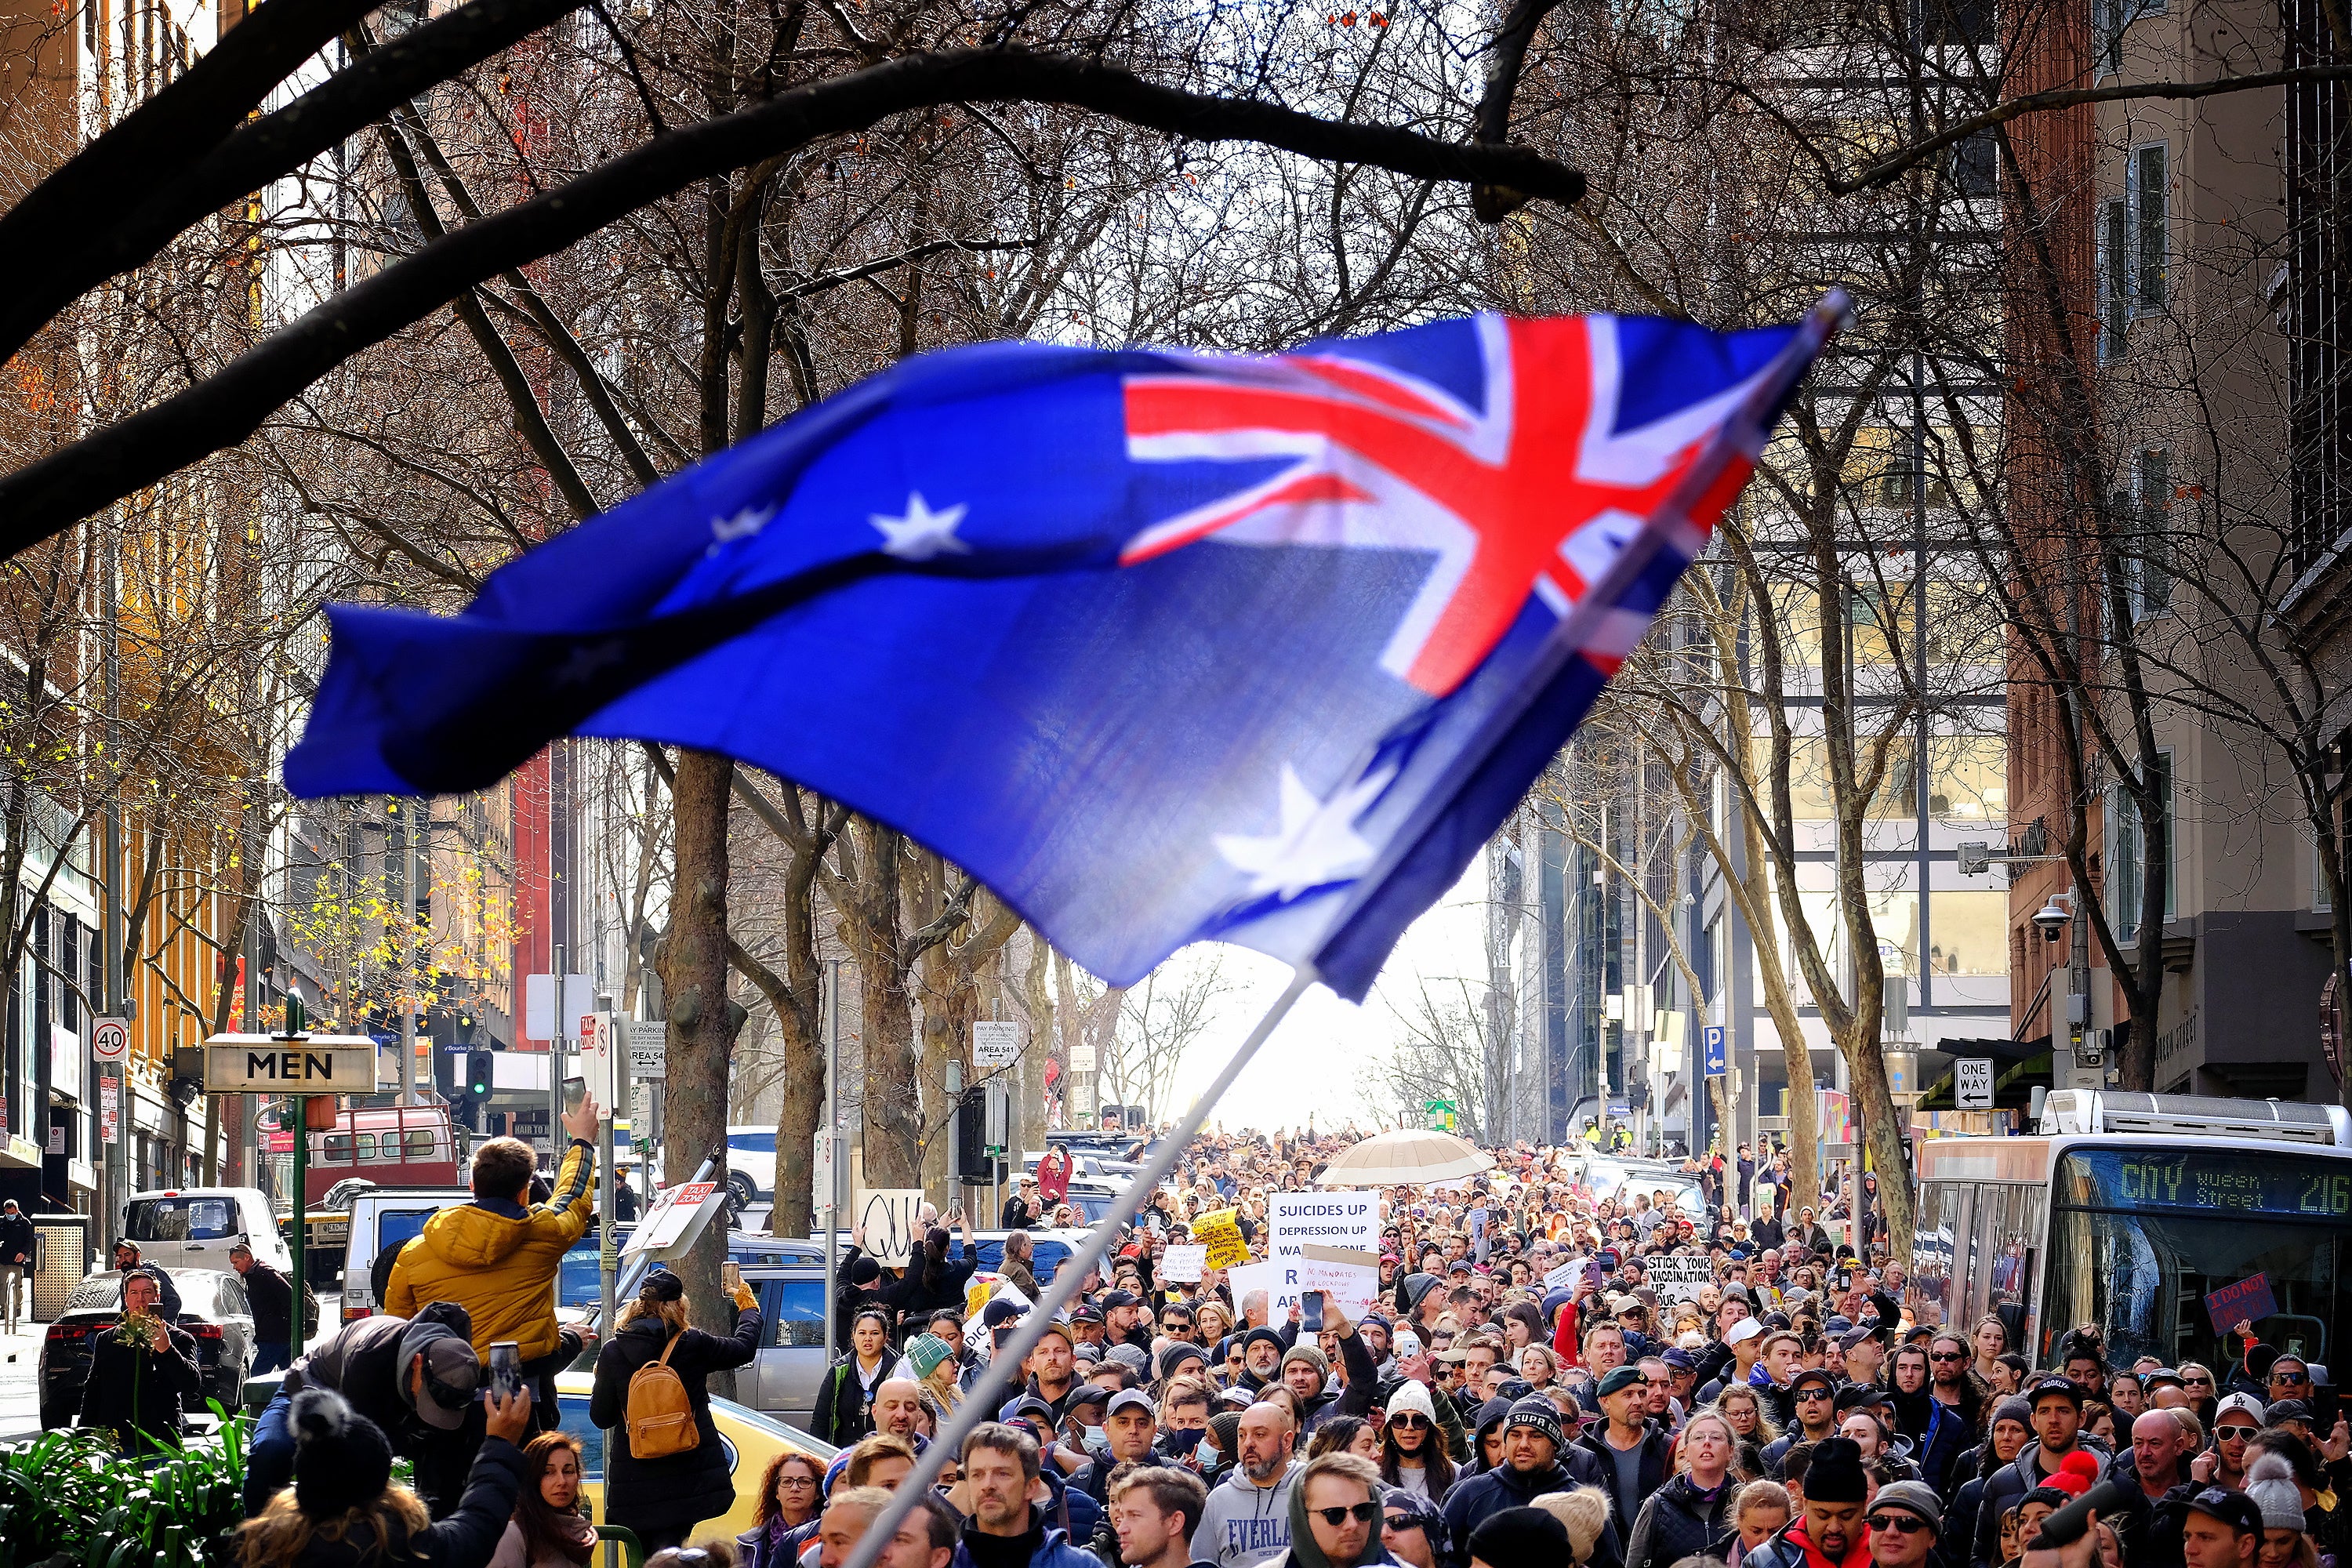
point(1161, 647)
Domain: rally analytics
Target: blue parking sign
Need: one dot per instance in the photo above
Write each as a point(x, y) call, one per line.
point(1717, 1057)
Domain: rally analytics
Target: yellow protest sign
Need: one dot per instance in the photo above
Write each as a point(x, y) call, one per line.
point(1222, 1236)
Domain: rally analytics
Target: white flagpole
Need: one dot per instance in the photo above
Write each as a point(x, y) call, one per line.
point(996, 1381)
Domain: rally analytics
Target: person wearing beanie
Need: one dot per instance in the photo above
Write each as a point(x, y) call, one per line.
point(1412, 1450)
point(1307, 1373)
point(1828, 1530)
point(1262, 1351)
point(2011, 1430)
point(1906, 1519)
point(343, 1510)
point(1533, 1461)
point(860, 1276)
point(663, 1496)
point(1512, 1536)
point(1219, 1446)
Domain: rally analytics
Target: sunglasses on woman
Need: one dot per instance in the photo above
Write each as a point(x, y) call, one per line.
point(1409, 1421)
point(1363, 1512)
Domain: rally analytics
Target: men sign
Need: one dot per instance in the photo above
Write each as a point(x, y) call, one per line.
point(263, 1064)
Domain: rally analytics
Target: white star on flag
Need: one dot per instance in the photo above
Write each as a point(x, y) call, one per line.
point(742, 525)
point(922, 532)
point(1316, 843)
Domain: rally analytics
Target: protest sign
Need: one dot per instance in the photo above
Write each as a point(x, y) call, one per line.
point(1248, 1276)
point(1677, 1277)
point(1183, 1265)
point(889, 1215)
point(2249, 1301)
point(1294, 1220)
point(1565, 1276)
point(1347, 1276)
point(1222, 1236)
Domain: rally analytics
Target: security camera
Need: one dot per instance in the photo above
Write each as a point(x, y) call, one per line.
point(2051, 920)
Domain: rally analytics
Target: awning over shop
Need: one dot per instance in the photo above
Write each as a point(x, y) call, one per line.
point(2020, 1066)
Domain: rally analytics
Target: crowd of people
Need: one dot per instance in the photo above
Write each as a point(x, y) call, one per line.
point(1532, 1383)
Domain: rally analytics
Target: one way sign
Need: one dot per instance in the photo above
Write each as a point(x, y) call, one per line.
point(1973, 1083)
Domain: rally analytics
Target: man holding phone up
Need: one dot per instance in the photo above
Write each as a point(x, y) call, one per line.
point(1306, 1372)
point(497, 1256)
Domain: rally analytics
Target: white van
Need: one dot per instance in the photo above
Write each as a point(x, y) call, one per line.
point(381, 1217)
point(193, 1228)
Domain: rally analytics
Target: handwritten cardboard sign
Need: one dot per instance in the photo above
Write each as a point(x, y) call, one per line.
point(1183, 1265)
point(1222, 1236)
point(2249, 1301)
point(889, 1215)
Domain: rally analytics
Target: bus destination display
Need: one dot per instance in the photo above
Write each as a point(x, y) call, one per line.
point(2273, 1185)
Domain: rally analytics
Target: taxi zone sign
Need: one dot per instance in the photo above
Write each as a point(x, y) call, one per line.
point(262, 1064)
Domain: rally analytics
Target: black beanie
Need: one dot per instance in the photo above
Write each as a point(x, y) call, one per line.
point(1510, 1537)
point(341, 1459)
point(1834, 1473)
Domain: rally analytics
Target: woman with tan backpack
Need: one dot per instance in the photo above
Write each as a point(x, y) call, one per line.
point(665, 1468)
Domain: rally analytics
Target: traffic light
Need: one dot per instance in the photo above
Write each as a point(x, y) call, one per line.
point(477, 1074)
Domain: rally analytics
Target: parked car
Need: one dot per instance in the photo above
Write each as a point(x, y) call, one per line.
point(750, 1167)
point(213, 1309)
point(379, 1218)
point(193, 1228)
point(785, 1373)
point(752, 1439)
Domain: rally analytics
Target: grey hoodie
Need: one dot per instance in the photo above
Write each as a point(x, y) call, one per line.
point(1244, 1525)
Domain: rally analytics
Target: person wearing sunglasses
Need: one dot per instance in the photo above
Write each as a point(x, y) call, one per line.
point(2236, 1421)
point(1335, 1514)
point(1904, 1520)
point(1412, 1453)
point(1414, 1531)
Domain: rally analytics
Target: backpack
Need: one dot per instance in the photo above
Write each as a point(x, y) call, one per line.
point(661, 1417)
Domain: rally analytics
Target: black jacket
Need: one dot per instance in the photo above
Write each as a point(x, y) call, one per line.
point(272, 1299)
point(2004, 1486)
point(843, 1413)
point(139, 1392)
point(677, 1490)
point(915, 1301)
point(465, 1539)
point(361, 1362)
point(15, 1239)
point(1677, 1521)
point(1473, 1498)
point(1657, 1462)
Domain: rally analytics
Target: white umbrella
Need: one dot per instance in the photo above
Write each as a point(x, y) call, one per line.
point(1414, 1156)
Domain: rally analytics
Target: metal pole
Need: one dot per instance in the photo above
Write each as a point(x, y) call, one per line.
point(117, 1151)
point(607, 1211)
point(988, 1393)
point(555, 1046)
point(407, 913)
point(832, 1143)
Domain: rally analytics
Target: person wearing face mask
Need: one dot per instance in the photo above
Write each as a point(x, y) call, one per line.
point(1129, 1428)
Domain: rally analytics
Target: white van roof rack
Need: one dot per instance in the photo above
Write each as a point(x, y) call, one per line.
point(2079, 1110)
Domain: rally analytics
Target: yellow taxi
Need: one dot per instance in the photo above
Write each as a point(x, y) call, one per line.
point(752, 1440)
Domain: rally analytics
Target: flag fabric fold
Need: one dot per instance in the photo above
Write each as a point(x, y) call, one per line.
point(1161, 647)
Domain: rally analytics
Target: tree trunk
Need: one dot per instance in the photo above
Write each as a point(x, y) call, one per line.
point(702, 1020)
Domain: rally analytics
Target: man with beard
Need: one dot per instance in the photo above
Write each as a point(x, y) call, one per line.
point(1247, 1518)
point(1261, 1359)
point(1534, 1462)
point(1937, 1432)
point(2057, 1414)
point(1632, 1452)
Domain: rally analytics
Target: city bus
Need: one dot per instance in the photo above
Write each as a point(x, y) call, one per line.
point(2127, 1211)
point(391, 1145)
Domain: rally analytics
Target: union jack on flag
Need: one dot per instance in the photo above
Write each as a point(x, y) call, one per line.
point(1160, 646)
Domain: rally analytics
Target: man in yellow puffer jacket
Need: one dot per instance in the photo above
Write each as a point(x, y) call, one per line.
point(497, 1256)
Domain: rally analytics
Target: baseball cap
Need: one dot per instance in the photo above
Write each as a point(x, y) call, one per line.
point(2287, 1410)
point(1113, 1299)
point(452, 1373)
point(2244, 1404)
point(1130, 1399)
point(1086, 1314)
point(1087, 1393)
point(2235, 1509)
point(1820, 1375)
point(2066, 1386)
point(999, 1312)
point(1743, 1330)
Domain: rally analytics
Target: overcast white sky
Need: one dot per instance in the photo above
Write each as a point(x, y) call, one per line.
point(1313, 1061)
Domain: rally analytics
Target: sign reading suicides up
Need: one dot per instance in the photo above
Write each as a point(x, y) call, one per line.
point(1352, 1220)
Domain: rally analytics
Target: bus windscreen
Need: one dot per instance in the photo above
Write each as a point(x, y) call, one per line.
point(2139, 1239)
